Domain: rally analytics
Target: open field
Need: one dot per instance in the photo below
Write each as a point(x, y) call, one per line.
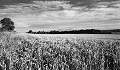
point(19, 51)
point(80, 36)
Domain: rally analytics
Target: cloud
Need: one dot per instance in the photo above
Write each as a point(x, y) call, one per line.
point(36, 7)
point(10, 2)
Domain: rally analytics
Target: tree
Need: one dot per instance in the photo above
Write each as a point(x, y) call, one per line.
point(7, 24)
point(30, 31)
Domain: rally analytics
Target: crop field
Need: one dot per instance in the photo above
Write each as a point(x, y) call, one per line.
point(59, 52)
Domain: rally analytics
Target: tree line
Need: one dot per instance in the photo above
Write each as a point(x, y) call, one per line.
point(87, 31)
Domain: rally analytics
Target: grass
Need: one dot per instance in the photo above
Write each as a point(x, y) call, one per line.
point(45, 53)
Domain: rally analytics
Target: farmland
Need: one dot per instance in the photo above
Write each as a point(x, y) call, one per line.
point(19, 51)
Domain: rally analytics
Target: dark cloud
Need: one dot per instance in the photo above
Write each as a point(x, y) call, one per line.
point(82, 2)
point(107, 0)
point(88, 3)
point(9, 2)
point(2, 6)
point(12, 2)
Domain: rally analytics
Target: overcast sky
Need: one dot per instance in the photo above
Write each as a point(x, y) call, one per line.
point(61, 15)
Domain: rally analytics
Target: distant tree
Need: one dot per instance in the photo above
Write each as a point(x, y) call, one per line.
point(30, 31)
point(7, 24)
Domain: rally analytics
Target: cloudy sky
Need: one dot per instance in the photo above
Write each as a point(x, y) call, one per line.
point(61, 15)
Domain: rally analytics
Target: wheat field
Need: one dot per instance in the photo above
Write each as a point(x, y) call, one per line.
point(58, 52)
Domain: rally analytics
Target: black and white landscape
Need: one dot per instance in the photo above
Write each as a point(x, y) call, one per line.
point(59, 34)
